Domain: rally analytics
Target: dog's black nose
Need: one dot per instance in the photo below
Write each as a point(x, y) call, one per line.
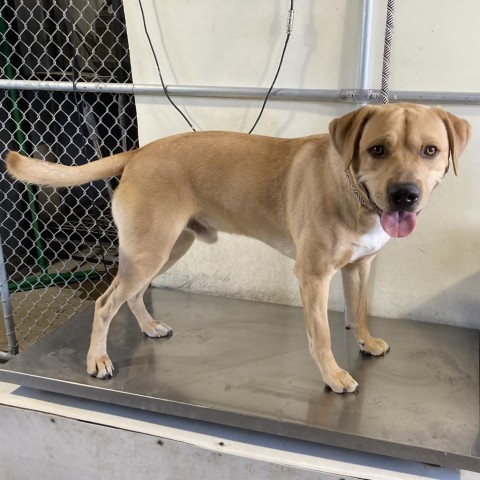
point(403, 196)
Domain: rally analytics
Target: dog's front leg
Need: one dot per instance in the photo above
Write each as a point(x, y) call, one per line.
point(314, 291)
point(355, 285)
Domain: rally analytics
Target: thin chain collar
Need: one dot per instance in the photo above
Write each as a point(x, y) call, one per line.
point(355, 192)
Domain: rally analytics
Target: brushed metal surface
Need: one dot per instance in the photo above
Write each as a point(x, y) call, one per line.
point(247, 365)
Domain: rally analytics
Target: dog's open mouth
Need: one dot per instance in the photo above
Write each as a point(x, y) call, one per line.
point(399, 223)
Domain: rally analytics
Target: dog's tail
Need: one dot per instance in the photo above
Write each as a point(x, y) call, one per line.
point(41, 172)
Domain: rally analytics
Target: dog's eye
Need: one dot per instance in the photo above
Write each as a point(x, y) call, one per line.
point(430, 151)
point(377, 151)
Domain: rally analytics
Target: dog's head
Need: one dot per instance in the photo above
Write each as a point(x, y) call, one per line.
point(396, 155)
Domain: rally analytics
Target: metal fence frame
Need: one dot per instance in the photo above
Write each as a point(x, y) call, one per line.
point(360, 95)
point(98, 51)
point(346, 95)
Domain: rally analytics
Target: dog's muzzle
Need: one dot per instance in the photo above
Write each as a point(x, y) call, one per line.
point(403, 199)
point(403, 196)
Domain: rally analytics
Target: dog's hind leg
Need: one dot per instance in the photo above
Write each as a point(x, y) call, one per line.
point(144, 250)
point(148, 325)
point(355, 284)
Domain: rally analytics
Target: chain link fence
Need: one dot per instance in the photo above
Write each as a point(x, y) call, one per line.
point(59, 246)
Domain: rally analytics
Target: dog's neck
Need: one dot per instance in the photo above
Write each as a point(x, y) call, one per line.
point(360, 197)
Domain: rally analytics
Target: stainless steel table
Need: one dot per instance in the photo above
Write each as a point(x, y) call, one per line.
point(246, 364)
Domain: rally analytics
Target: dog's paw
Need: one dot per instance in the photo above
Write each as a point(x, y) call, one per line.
point(100, 367)
point(157, 329)
point(374, 346)
point(340, 381)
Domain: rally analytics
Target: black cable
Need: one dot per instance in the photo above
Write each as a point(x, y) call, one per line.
point(289, 32)
point(159, 71)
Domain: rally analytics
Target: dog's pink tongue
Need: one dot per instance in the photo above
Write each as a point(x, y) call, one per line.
point(398, 224)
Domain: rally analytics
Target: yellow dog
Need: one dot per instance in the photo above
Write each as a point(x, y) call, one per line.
point(328, 201)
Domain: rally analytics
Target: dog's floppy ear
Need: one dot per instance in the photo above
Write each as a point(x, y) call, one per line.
point(458, 132)
point(346, 132)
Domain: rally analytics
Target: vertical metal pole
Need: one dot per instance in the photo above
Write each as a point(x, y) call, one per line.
point(365, 58)
point(7, 306)
point(364, 63)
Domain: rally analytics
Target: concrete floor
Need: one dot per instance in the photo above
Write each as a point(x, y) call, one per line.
point(40, 311)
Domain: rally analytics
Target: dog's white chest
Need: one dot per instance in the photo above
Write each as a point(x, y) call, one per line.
point(370, 243)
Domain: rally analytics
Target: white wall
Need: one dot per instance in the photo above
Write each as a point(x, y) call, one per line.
point(432, 275)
